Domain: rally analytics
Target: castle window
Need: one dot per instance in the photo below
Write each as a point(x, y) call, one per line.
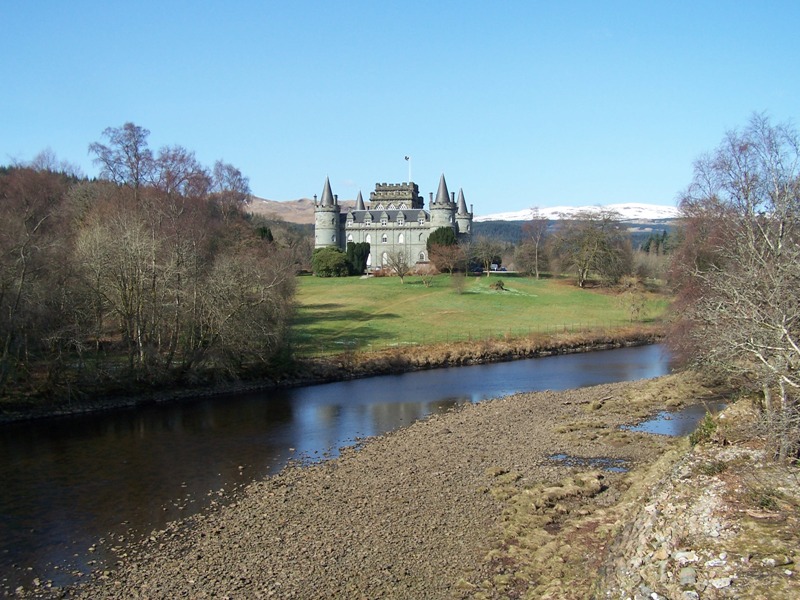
point(384, 238)
point(350, 238)
point(401, 239)
point(422, 256)
point(403, 206)
point(383, 222)
point(333, 237)
point(369, 238)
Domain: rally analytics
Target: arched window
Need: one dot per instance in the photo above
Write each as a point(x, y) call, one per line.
point(384, 238)
point(369, 238)
point(384, 259)
point(422, 256)
point(401, 239)
point(350, 238)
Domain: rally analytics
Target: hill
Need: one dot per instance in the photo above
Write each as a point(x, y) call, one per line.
point(302, 211)
point(292, 211)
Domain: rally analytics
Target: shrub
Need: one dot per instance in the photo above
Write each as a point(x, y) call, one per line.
point(329, 262)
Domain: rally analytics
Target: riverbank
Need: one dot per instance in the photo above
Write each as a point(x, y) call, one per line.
point(353, 365)
point(479, 503)
point(464, 504)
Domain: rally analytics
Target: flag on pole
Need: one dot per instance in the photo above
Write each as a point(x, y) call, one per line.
point(408, 157)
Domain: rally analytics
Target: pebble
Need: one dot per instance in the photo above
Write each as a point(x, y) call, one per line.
point(688, 576)
point(720, 582)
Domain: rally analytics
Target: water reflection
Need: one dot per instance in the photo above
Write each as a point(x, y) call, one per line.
point(678, 422)
point(69, 482)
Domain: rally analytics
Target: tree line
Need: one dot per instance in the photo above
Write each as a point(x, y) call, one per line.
point(151, 274)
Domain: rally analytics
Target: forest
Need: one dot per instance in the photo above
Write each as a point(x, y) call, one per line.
point(152, 274)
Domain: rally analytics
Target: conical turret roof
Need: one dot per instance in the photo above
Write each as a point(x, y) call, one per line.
point(462, 204)
point(442, 196)
point(327, 195)
point(360, 202)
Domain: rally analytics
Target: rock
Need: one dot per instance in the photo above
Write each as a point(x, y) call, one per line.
point(685, 557)
point(688, 576)
point(720, 582)
point(768, 562)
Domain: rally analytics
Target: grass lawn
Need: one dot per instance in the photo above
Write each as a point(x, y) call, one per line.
point(336, 314)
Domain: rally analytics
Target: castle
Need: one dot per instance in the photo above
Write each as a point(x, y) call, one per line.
point(393, 222)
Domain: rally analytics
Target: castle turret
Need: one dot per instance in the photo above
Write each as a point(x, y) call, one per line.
point(360, 202)
point(463, 216)
point(442, 208)
point(326, 219)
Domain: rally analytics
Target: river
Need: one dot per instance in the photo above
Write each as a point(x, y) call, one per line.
point(69, 482)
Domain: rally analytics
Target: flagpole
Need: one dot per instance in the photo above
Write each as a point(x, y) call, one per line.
point(408, 160)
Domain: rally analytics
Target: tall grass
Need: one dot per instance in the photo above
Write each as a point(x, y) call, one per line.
point(349, 314)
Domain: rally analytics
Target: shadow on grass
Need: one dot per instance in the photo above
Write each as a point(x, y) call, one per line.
point(343, 316)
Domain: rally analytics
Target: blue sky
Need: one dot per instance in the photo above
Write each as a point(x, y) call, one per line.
point(520, 103)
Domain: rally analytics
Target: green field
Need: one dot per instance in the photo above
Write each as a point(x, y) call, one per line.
point(337, 314)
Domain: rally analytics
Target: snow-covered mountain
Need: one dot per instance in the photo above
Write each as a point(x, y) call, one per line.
point(631, 211)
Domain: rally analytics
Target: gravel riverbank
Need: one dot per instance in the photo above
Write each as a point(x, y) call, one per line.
point(468, 504)
point(412, 514)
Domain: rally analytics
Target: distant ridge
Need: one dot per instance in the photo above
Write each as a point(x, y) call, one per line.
point(631, 211)
point(292, 211)
point(302, 211)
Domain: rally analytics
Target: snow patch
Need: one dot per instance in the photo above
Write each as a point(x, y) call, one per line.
point(631, 211)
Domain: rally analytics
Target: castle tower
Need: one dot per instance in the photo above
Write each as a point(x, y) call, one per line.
point(463, 217)
point(326, 219)
point(360, 202)
point(442, 208)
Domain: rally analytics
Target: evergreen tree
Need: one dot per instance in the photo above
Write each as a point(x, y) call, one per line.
point(444, 236)
point(357, 254)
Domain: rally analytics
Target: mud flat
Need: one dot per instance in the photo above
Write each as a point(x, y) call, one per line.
point(468, 504)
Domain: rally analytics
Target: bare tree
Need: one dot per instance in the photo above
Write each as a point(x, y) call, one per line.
point(593, 242)
point(398, 263)
point(126, 159)
point(46, 160)
point(230, 189)
point(426, 273)
point(531, 253)
point(738, 269)
point(178, 174)
point(487, 253)
point(448, 257)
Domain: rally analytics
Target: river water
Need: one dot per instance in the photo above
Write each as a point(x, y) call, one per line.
point(66, 484)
